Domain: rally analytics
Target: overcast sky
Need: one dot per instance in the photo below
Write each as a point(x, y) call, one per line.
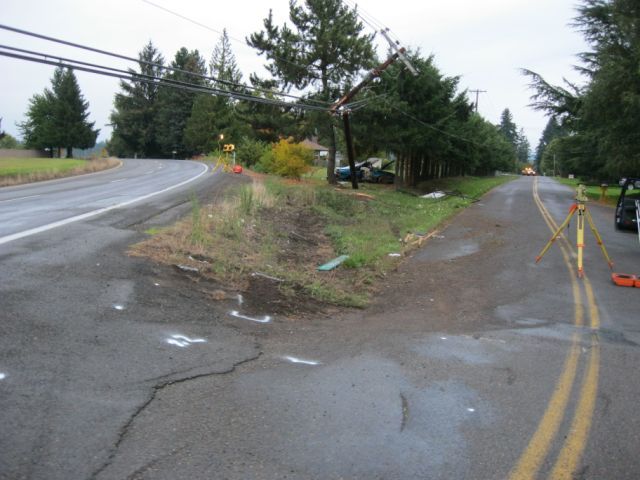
point(484, 42)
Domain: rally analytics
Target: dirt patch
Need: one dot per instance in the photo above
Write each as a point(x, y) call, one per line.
point(264, 250)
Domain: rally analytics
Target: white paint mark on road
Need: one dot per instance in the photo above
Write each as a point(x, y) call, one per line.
point(84, 216)
point(265, 319)
point(471, 410)
point(156, 284)
point(3, 376)
point(183, 341)
point(120, 180)
point(443, 338)
point(118, 307)
point(301, 361)
point(19, 198)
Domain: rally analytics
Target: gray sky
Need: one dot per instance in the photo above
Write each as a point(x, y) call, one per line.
point(485, 42)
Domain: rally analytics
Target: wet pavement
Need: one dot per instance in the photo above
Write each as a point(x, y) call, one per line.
point(447, 375)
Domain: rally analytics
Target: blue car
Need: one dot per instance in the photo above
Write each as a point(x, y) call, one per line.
point(344, 173)
point(373, 170)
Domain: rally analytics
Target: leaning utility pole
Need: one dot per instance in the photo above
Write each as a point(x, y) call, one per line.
point(477, 92)
point(345, 112)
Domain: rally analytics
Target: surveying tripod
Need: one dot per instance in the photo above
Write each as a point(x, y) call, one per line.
point(580, 208)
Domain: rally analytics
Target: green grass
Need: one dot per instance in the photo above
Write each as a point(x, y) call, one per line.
point(287, 229)
point(318, 173)
point(368, 231)
point(13, 167)
point(593, 191)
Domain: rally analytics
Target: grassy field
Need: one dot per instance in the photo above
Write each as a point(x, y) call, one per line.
point(287, 229)
point(594, 192)
point(15, 171)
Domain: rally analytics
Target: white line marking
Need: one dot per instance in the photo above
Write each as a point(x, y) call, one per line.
point(66, 221)
point(120, 180)
point(3, 376)
point(301, 361)
point(265, 319)
point(19, 198)
point(183, 341)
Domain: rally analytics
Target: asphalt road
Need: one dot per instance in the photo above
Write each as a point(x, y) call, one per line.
point(473, 362)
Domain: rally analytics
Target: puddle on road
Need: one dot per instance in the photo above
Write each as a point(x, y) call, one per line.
point(463, 348)
point(439, 250)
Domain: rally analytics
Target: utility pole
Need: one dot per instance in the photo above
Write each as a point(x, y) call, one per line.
point(477, 92)
point(345, 112)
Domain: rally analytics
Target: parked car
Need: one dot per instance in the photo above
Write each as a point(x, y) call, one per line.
point(626, 215)
point(371, 170)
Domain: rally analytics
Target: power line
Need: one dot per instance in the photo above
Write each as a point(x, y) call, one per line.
point(211, 29)
point(157, 65)
point(452, 135)
point(138, 77)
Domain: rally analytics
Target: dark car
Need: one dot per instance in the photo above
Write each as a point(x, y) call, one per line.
point(626, 209)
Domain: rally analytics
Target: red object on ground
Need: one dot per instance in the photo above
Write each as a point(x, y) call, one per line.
point(237, 169)
point(624, 280)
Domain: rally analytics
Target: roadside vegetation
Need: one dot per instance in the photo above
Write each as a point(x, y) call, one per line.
point(283, 230)
point(15, 171)
point(594, 192)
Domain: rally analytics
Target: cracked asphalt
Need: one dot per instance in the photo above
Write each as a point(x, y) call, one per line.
point(447, 375)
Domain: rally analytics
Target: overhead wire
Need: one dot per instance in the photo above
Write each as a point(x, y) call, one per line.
point(451, 135)
point(139, 77)
point(211, 29)
point(153, 64)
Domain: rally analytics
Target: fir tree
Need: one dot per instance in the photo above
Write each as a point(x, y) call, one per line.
point(58, 117)
point(325, 49)
point(134, 116)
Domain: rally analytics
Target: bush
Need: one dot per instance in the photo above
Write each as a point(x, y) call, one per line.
point(250, 151)
point(286, 159)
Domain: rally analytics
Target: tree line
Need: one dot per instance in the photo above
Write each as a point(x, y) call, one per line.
point(423, 121)
point(593, 128)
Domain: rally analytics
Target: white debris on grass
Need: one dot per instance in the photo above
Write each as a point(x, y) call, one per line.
point(434, 195)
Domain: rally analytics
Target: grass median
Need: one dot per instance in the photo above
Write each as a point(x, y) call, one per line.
point(282, 230)
point(15, 171)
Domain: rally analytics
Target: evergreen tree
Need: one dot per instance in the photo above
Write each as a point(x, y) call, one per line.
point(552, 130)
point(268, 123)
point(602, 118)
point(134, 116)
point(223, 65)
point(58, 117)
point(175, 105)
point(215, 115)
point(508, 128)
point(428, 126)
point(523, 148)
point(325, 49)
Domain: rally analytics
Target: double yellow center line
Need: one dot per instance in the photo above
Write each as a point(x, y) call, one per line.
point(567, 461)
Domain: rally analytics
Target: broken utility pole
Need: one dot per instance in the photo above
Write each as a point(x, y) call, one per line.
point(345, 112)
